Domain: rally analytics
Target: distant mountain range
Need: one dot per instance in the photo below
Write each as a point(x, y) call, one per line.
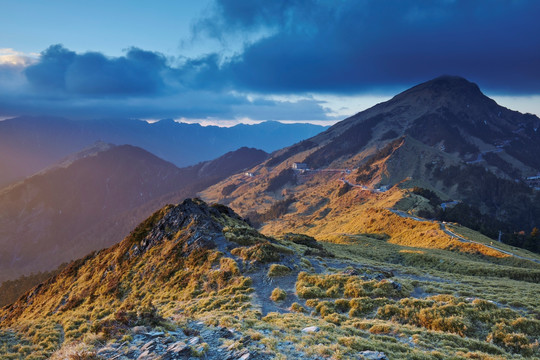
point(92, 199)
point(28, 145)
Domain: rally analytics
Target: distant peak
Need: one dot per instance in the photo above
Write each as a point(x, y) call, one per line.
point(166, 122)
point(448, 83)
point(446, 86)
point(451, 81)
point(450, 78)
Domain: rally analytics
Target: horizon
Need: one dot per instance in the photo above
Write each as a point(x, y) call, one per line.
point(525, 105)
point(220, 62)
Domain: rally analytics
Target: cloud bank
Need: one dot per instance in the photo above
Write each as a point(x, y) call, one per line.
point(302, 48)
point(354, 46)
point(141, 84)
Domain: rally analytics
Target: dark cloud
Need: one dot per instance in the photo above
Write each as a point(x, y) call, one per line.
point(93, 99)
point(141, 84)
point(92, 73)
point(354, 46)
point(299, 47)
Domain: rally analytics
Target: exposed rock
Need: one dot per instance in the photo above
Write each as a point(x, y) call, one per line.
point(139, 329)
point(351, 272)
point(373, 355)
point(311, 329)
point(225, 333)
point(146, 355)
point(179, 348)
point(154, 334)
point(151, 345)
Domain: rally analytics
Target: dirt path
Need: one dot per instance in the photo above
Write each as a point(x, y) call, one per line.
point(264, 286)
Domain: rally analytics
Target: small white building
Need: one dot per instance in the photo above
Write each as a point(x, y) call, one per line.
point(248, 174)
point(299, 166)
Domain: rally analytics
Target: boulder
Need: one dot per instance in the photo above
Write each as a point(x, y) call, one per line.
point(311, 329)
point(373, 355)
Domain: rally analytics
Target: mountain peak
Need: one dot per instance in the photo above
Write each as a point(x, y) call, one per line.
point(446, 86)
point(192, 215)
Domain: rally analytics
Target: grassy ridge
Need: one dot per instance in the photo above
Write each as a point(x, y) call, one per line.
point(204, 263)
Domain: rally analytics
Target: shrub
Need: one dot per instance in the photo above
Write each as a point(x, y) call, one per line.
point(380, 329)
point(310, 292)
point(296, 307)
point(263, 252)
point(278, 294)
point(278, 270)
point(335, 318)
point(302, 239)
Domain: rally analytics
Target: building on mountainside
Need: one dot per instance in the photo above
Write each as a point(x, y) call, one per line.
point(533, 181)
point(248, 174)
point(299, 166)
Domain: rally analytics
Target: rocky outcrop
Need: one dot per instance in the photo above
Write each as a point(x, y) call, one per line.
point(196, 340)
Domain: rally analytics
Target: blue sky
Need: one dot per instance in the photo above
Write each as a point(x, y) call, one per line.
point(225, 61)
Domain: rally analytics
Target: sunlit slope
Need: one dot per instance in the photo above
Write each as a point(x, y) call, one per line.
point(201, 278)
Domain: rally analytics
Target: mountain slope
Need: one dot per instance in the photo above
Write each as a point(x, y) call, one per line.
point(443, 135)
point(449, 113)
point(91, 201)
point(28, 145)
point(196, 280)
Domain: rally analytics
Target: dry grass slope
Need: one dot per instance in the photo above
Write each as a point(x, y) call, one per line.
point(408, 300)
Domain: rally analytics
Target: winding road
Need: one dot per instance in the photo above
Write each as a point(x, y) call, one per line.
point(458, 237)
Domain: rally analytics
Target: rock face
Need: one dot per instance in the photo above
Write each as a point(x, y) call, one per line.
point(176, 345)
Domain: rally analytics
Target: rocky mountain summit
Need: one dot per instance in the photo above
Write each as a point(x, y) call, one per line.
point(448, 113)
point(197, 281)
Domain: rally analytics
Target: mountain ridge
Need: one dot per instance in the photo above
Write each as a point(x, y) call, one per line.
point(48, 213)
point(428, 103)
point(193, 279)
point(41, 142)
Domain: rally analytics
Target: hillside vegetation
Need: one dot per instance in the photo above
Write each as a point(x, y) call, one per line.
point(292, 297)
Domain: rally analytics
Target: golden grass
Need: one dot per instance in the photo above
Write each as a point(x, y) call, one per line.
point(408, 301)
